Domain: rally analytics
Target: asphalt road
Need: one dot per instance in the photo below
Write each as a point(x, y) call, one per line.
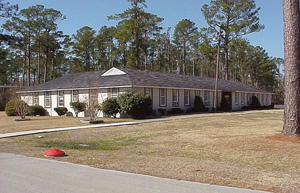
point(20, 174)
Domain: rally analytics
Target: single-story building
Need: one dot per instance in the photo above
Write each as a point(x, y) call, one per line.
point(166, 90)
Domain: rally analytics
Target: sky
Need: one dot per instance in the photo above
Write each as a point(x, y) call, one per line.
point(93, 13)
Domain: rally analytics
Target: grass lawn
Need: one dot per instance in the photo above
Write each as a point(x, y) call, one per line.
point(9, 125)
point(246, 151)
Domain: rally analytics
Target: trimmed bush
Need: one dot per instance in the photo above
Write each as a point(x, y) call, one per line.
point(111, 107)
point(225, 103)
point(36, 110)
point(10, 108)
point(161, 111)
point(176, 111)
point(61, 110)
point(78, 107)
point(189, 110)
point(255, 104)
point(137, 105)
point(199, 105)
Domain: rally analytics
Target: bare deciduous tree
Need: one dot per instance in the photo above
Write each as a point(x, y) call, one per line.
point(21, 108)
point(92, 107)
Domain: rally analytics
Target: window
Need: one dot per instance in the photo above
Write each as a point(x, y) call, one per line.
point(162, 97)
point(206, 98)
point(267, 99)
point(93, 96)
point(186, 97)
point(47, 99)
point(248, 99)
point(35, 100)
point(259, 99)
point(148, 91)
point(237, 98)
point(263, 99)
point(243, 98)
point(114, 92)
point(60, 98)
point(175, 97)
point(75, 96)
point(197, 93)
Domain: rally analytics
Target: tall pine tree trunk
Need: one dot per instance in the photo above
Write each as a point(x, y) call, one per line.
point(29, 61)
point(39, 65)
point(292, 67)
point(46, 66)
point(24, 69)
point(226, 54)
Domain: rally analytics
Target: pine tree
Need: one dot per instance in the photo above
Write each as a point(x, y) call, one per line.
point(292, 67)
point(235, 17)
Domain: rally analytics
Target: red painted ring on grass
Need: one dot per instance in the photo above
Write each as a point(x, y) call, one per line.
point(54, 152)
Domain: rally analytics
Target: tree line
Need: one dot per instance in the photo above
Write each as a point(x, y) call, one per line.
point(33, 50)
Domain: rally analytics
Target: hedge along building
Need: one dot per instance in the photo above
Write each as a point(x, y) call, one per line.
point(166, 90)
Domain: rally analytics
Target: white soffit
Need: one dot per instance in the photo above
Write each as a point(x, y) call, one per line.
point(113, 72)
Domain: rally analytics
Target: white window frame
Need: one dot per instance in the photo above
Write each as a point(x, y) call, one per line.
point(114, 92)
point(47, 99)
point(242, 98)
point(75, 95)
point(186, 97)
point(207, 98)
point(60, 98)
point(197, 93)
point(35, 99)
point(262, 99)
point(162, 97)
point(175, 97)
point(267, 99)
point(236, 98)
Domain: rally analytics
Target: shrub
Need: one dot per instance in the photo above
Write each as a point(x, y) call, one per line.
point(36, 110)
point(111, 107)
point(176, 111)
point(61, 110)
point(78, 107)
point(161, 111)
point(225, 103)
point(199, 105)
point(10, 108)
point(255, 104)
point(21, 108)
point(137, 105)
point(189, 110)
point(246, 108)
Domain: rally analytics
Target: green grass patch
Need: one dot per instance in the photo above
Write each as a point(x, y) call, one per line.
point(99, 145)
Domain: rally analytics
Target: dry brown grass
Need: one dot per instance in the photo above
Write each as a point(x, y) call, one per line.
point(9, 125)
point(244, 151)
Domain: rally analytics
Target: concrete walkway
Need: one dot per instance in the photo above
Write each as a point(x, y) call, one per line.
point(28, 175)
point(22, 133)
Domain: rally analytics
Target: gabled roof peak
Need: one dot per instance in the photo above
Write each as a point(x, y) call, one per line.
point(113, 72)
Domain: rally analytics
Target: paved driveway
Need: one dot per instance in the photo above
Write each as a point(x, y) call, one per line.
point(31, 175)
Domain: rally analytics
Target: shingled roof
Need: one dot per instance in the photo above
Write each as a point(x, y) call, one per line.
point(138, 78)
